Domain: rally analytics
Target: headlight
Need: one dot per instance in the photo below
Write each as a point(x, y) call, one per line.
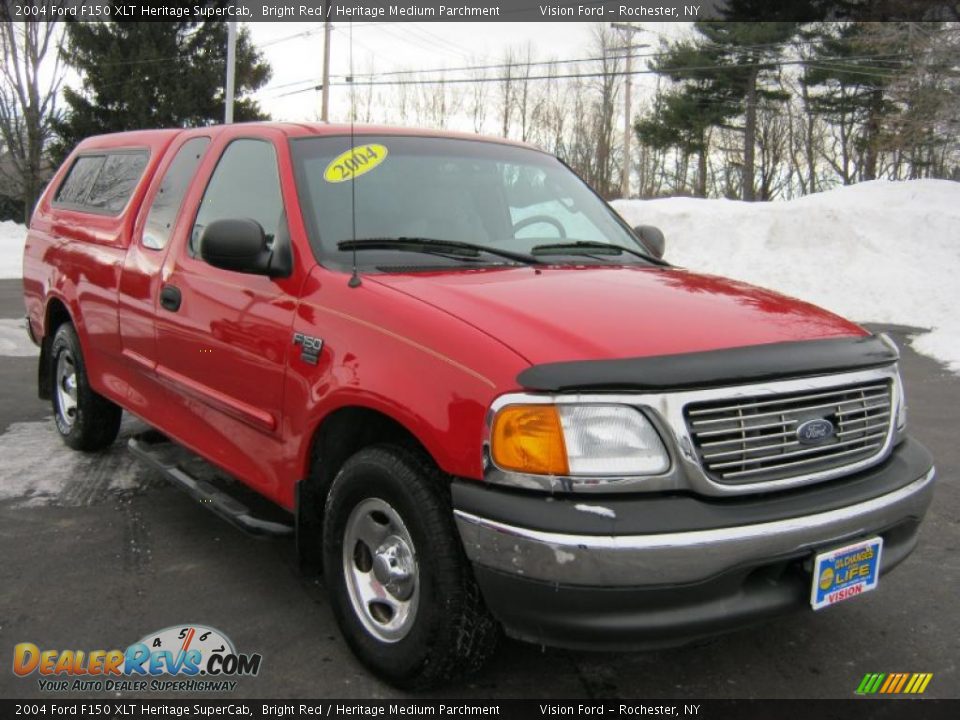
point(591, 440)
point(900, 400)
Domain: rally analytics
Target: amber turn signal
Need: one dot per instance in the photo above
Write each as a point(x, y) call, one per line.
point(529, 439)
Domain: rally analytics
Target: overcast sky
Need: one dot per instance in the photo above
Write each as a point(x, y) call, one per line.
point(295, 51)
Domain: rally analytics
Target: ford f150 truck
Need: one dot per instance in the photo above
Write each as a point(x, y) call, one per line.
point(481, 400)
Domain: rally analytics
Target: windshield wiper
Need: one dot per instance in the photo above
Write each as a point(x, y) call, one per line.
point(585, 247)
point(449, 248)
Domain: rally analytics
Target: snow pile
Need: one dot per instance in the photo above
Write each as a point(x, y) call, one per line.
point(39, 469)
point(14, 341)
point(12, 236)
point(874, 252)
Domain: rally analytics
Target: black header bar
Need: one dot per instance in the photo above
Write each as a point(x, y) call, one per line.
point(342, 11)
point(632, 709)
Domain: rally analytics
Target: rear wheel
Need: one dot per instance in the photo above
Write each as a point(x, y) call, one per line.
point(402, 590)
point(85, 420)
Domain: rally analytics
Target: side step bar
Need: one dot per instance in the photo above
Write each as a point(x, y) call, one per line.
point(161, 454)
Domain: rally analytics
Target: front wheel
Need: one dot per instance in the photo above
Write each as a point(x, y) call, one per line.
point(85, 420)
point(401, 588)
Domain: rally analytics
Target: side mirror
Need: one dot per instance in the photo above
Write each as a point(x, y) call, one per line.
point(239, 245)
point(653, 238)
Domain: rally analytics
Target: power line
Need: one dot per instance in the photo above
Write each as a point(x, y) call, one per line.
point(518, 65)
point(433, 38)
point(301, 34)
point(848, 70)
point(571, 76)
point(497, 66)
point(887, 58)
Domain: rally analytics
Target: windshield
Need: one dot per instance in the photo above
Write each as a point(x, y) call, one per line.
point(497, 196)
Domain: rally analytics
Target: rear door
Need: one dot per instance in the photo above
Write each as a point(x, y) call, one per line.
point(223, 336)
point(140, 281)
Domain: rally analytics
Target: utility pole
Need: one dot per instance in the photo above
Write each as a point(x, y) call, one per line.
point(627, 130)
point(231, 71)
point(325, 90)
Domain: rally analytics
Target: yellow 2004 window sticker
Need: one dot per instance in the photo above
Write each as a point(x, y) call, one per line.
point(354, 163)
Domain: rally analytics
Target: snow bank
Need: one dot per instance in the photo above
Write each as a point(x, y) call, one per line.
point(12, 236)
point(14, 341)
point(874, 252)
point(38, 469)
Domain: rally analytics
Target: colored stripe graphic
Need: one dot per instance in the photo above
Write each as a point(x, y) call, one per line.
point(893, 683)
point(900, 683)
point(870, 683)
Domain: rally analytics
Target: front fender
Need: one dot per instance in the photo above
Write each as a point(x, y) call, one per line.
point(382, 350)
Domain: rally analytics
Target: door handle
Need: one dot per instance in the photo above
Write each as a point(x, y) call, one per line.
point(170, 297)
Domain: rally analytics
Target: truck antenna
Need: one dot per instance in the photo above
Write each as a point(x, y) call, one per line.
point(355, 277)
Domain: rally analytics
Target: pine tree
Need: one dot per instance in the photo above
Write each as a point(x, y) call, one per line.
point(683, 116)
point(747, 55)
point(848, 75)
point(154, 75)
point(727, 70)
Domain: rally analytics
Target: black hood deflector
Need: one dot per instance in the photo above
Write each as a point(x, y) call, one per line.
point(713, 368)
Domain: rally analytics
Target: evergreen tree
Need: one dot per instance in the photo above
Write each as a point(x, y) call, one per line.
point(154, 75)
point(848, 74)
point(747, 55)
point(683, 117)
point(727, 70)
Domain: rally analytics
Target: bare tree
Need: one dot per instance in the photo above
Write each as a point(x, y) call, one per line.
point(527, 98)
point(29, 84)
point(478, 98)
point(507, 88)
point(774, 172)
point(361, 98)
point(607, 88)
point(402, 102)
point(920, 138)
point(548, 119)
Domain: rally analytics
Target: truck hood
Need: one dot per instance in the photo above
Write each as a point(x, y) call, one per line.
point(555, 314)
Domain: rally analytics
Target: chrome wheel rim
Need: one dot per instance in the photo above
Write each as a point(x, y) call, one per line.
point(381, 571)
point(66, 389)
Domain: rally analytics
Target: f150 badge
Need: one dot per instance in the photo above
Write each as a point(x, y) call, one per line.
point(310, 347)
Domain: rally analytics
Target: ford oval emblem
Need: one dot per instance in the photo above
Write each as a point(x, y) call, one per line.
point(813, 432)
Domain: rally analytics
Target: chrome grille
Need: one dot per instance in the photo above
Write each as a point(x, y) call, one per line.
point(754, 439)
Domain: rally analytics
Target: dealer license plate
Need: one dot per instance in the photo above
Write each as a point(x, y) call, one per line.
point(845, 573)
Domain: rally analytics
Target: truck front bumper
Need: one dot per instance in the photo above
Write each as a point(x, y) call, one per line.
point(662, 570)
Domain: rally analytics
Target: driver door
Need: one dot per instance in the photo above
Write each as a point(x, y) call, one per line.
point(223, 336)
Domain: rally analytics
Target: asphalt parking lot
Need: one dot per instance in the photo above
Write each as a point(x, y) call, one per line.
point(96, 552)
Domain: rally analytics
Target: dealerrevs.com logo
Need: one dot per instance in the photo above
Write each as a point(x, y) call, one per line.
point(182, 658)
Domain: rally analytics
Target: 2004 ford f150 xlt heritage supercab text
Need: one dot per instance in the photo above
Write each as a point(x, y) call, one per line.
point(482, 400)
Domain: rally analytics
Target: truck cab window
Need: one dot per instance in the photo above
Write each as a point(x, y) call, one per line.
point(116, 181)
point(102, 183)
point(166, 203)
point(245, 184)
point(77, 184)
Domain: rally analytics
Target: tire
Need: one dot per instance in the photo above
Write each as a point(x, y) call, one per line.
point(397, 498)
point(86, 421)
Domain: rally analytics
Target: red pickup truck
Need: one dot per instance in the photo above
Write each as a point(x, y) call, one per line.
point(481, 400)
